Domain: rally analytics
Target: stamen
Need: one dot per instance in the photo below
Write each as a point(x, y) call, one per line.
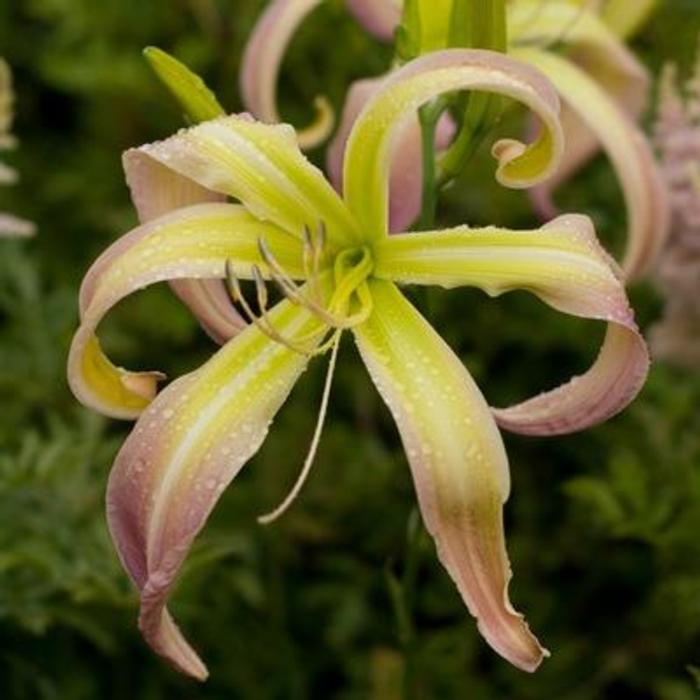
point(290, 289)
point(317, 249)
point(263, 323)
point(308, 252)
point(303, 475)
point(260, 288)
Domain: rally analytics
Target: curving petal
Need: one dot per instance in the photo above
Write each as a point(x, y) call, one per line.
point(156, 190)
point(600, 53)
point(406, 179)
point(564, 265)
point(459, 465)
point(183, 452)
point(379, 17)
point(642, 183)
point(261, 64)
point(375, 135)
point(589, 43)
point(260, 165)
point(189, 243)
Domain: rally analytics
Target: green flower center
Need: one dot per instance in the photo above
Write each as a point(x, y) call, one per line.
point(351, 269)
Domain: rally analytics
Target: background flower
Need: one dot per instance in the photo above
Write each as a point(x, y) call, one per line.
point(677, 336)
point(9, 225)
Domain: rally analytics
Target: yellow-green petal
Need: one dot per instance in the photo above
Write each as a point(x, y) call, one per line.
point(194, 242)
point(371, 142)
point(625, 17)
point(629, 151)
point(564, 265)
point(183, 452)
point(260, 165)
point(459, 466)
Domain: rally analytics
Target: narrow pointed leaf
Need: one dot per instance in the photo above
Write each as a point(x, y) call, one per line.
point(197, 100)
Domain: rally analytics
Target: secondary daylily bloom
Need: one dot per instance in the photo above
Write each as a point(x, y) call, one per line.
point(677, 336)
point(603, 86)
point(339, 269)
point(622, 16)
point(10, 225)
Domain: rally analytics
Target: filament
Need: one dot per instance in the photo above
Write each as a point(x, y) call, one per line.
point(349, 276)
point(311, 455)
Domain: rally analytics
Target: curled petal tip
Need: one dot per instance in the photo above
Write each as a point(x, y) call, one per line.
point(144, 384)
point(645, 196)
point(375, 134)
point(261, 63)
point(321, 127)
point(164, 636)
point(188, 445)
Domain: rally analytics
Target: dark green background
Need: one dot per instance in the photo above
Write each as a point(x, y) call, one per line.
point(344, 597)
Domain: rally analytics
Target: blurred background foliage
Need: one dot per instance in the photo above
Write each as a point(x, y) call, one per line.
point(343, 598)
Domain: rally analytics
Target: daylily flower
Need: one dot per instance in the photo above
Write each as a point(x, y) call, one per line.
point(677, 336)
point(602, 84)
point(339, 270)
point(10, 225)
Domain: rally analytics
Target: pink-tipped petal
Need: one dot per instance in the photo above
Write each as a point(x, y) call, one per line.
point(611, 384)
point(459, 466)
point(261, 166)
point(566, 267)
point(599, 53)
point(183, 452)
point(190, 243)
point(376, 133)
point(157, 190)
point(261, 64)
point(604, 89)
point(406, 179)
point(645, 194)
point(379, 17)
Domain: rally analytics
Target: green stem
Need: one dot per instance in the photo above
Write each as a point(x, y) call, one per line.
point(429, 116)
point(477, 25)
point(401, 593)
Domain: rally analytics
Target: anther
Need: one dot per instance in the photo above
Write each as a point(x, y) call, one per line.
point(263, 323)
